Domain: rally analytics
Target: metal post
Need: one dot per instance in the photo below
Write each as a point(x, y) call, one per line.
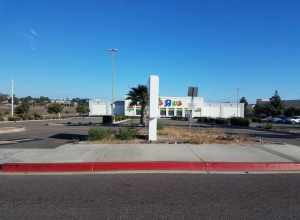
point(113, 53)
point(12, 98)
point(237, 102)
point(191, 114)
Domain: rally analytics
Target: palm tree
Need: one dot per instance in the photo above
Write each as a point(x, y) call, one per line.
point(139, 96)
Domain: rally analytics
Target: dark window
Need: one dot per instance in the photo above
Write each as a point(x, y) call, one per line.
point(162, 112)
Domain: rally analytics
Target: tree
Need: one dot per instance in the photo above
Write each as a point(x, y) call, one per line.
point(244, 100)
point(82, 109)
point(27, 99)
point(264, 109)
point(23, 110)
point(276, 102)
point(43, 100)
point(55, 108)
point(139, 96)
point(291, 111)
point(247, 111)
point(16, 100)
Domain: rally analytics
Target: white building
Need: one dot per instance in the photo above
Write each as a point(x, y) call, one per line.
point(99, 107)
point(173, 106)
point(183, 107)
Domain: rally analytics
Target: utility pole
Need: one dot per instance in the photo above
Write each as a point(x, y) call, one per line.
point(12, 98)
point(113, 53)
point(237, 101)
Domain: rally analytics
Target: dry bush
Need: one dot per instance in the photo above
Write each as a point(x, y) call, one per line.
point(200, 136)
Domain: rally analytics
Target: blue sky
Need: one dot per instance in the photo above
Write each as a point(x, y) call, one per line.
point(57, 48)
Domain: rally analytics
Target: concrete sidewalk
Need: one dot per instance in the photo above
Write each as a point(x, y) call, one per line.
point(83, 152)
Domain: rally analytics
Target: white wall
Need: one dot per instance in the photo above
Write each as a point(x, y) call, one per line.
point(129, 111)
point(201, 108)
point(223, 110)
point(98, 107)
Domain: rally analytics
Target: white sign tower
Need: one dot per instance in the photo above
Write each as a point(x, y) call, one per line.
point(153, 107)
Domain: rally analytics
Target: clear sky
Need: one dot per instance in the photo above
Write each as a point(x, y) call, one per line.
point(57, 47)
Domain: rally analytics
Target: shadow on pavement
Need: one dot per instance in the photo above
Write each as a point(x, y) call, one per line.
point(66, 136)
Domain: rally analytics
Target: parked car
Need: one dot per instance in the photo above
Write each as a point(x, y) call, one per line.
point(294, 120)
point(267, 119)
point(278, 119)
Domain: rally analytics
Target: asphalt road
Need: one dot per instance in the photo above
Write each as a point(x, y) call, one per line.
point(150, 196)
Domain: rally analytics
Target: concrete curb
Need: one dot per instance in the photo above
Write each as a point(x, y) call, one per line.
point(149, 166)
point(11, 130)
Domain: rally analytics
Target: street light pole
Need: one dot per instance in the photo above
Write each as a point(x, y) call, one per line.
point(113, 53)
point(12, 98)
point(237, 101)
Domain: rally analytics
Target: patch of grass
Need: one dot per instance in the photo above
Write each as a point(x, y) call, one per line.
point(126, 134)
point(99, 134)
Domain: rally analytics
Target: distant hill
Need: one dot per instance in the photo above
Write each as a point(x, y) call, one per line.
point(3, 97)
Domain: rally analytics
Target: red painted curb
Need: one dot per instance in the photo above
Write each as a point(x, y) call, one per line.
point(148, 166)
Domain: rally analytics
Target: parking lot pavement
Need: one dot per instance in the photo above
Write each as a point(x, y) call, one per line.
point(50, 134)
point(283, 136)
point(42, 134)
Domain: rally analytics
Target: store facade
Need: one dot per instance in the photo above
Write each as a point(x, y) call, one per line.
point(170, 106)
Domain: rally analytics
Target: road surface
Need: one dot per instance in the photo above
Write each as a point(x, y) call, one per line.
point(150, 196)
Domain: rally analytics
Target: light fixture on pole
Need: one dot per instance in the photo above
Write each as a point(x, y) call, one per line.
point(113, 53)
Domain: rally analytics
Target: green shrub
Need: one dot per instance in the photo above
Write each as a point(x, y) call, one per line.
point(221, 121)
point(126, 134)
point(37, 116)
point(99, 133)
point(120, 117)
point(15, 118)
point(206, 120)
point(236, 121)
point(268, 126)
point(256, 119)
point(28, 117)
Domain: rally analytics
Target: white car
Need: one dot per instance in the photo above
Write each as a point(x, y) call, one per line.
point(295, 120)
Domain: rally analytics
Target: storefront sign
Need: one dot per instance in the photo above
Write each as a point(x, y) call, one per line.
point(169, 103)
